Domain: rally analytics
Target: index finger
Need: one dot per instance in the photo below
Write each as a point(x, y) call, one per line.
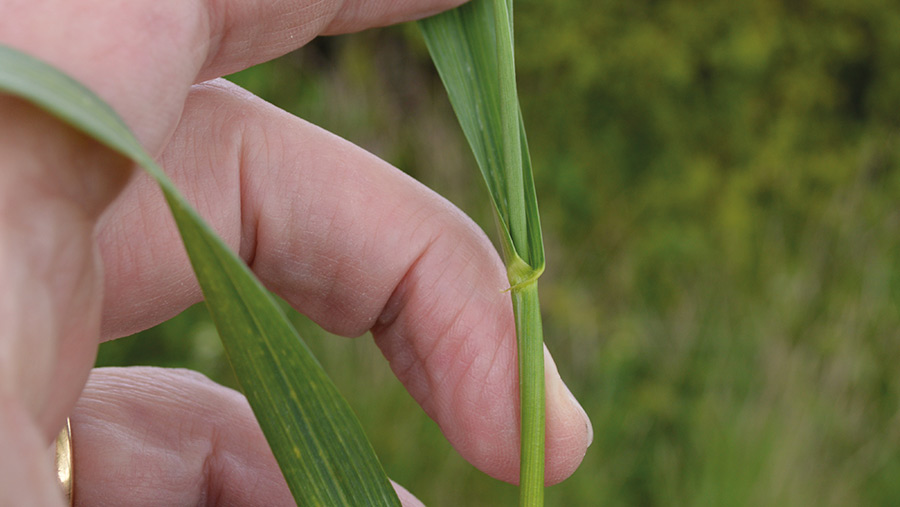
point(141, 56)
point(246, 33)
point(354, 244)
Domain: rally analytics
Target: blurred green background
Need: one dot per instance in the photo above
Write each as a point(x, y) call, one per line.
point(719, 183)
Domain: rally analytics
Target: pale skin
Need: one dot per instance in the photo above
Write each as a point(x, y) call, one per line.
point(88, 252)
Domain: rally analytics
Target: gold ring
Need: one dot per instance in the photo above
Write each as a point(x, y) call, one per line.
point(65, 470)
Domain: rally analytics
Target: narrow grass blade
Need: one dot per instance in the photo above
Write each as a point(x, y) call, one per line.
point(320, 446)
point(472, 48)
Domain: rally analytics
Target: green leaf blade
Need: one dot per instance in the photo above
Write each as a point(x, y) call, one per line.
point(315, 436)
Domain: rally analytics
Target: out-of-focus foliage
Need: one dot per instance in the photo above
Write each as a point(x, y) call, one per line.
point(719, 183)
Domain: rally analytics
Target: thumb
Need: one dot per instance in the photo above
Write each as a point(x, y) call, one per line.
point(54, 184)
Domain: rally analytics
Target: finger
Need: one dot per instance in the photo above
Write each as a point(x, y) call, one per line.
point(50, 305)
point(153, 436)
point(141, 56)
point(407, 499)
point(356, 245)
point(246, 33)
point(25, 471)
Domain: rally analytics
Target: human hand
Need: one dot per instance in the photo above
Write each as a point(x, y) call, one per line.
point(344, 237)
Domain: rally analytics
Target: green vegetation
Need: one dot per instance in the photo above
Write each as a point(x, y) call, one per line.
point(472, 49)
point(719, 185)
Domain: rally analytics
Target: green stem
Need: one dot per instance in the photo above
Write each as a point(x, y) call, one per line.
point(531, 394)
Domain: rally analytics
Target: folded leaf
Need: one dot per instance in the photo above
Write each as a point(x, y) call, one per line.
point(472, 50)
